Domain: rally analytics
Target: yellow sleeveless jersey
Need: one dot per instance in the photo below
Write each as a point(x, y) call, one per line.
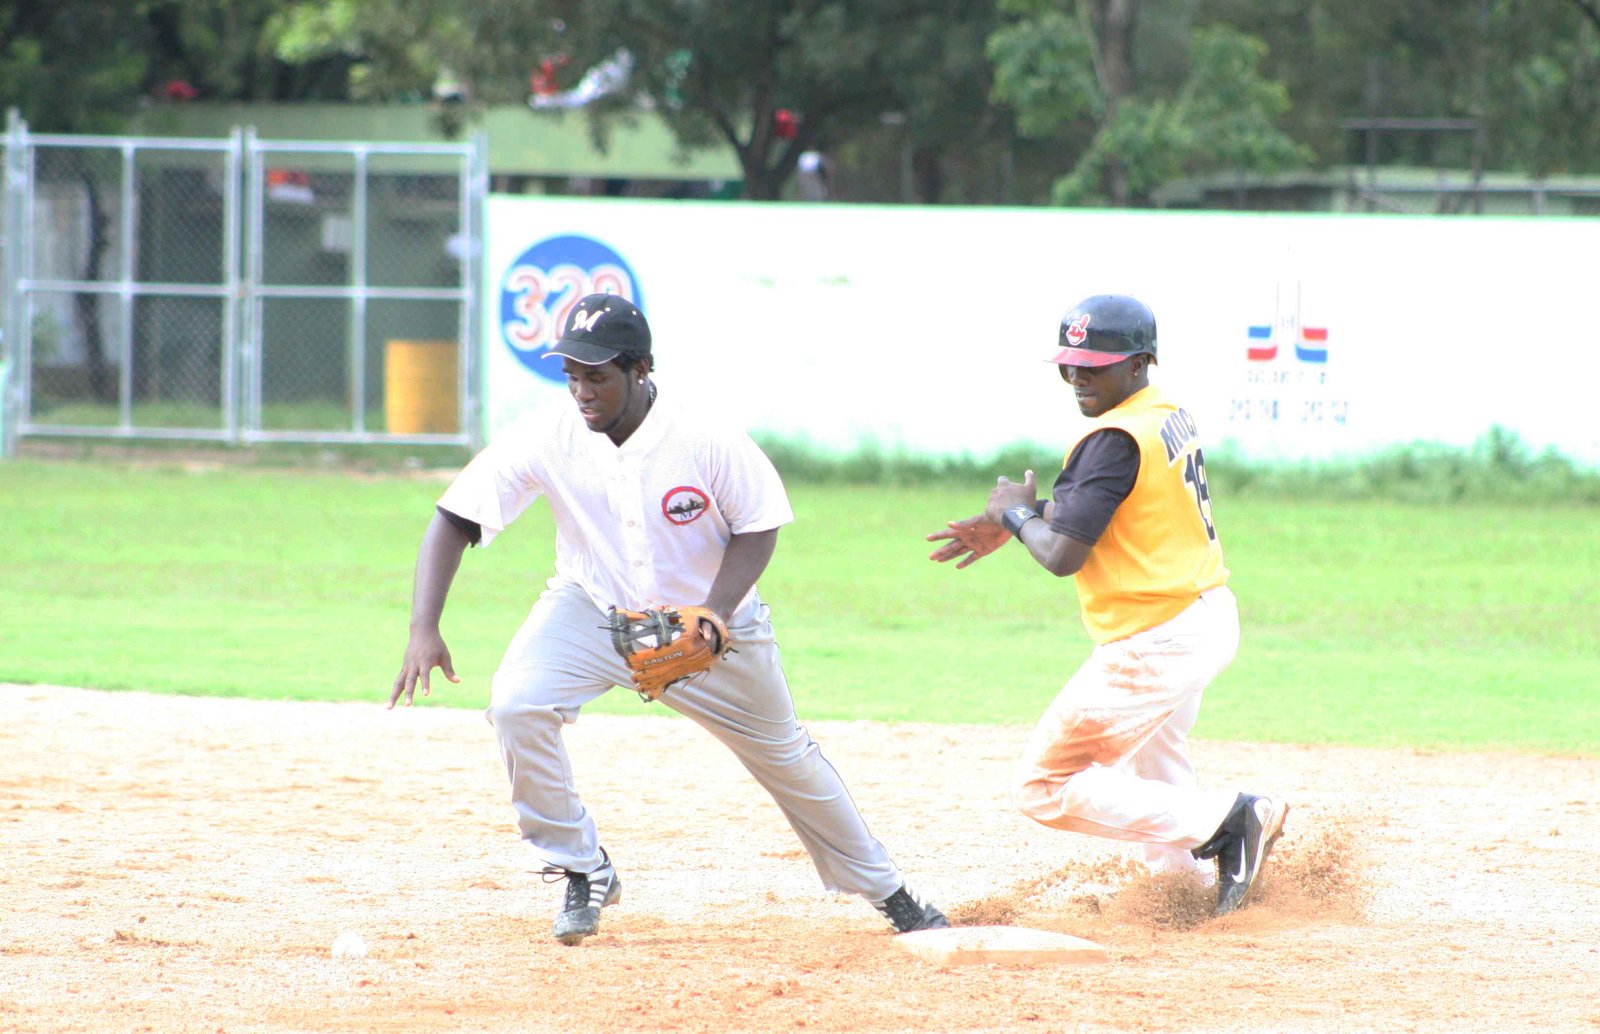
point(1160, 551)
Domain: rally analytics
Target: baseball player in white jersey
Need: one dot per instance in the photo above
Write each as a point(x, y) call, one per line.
point(653, 504)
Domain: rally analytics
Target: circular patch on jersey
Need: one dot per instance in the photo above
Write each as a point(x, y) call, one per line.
point(684, 504)
point(542, 287)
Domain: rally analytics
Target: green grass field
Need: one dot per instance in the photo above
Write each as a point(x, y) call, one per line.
point(1369, 623)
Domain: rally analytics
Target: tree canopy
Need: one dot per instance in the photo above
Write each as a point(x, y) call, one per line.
point(1031, 101)
point(1066, 66)
point(82, 66)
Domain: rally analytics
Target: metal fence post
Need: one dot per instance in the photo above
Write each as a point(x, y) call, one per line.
point(474, 195)
point(253, 214)
point(126, 274)
point(357, 327)
point(10, 268)
point(233, 302)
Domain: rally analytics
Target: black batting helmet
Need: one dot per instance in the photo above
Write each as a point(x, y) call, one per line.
point(1104, 329)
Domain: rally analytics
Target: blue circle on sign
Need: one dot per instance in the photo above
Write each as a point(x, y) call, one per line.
point(543, 286)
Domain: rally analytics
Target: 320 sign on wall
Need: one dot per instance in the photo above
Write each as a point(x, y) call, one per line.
point(543, 285)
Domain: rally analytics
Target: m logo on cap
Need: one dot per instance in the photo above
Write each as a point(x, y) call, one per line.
point(1077, 330)
point(585, 320)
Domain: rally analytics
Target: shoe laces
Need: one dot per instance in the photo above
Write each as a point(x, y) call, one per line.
point(579, 893)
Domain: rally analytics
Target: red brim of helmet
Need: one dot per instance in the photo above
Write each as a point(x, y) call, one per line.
point(1085, 357)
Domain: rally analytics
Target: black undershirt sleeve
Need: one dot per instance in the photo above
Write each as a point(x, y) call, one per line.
point(1098, 477)
point(470, 529)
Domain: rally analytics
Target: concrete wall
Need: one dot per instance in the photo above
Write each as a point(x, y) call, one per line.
point(925, 330)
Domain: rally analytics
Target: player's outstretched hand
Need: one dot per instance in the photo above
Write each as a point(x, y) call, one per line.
point(425, 651)
point(1008, 493)
point(969, 540)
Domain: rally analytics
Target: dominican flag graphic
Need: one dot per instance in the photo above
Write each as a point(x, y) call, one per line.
point(1310, 343)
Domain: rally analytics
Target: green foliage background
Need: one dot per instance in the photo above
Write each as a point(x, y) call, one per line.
point(1367, 621)
point(1009, 101)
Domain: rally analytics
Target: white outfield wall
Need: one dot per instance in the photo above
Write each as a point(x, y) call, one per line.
point(924, 330)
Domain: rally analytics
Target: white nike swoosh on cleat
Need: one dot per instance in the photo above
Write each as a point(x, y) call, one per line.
point(1271, 822)
point(1238, 877)
point(1271, 816)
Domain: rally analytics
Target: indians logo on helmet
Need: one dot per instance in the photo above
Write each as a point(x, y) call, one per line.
point(1077, 330)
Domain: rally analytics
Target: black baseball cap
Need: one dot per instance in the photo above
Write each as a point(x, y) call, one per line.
point(602, 327)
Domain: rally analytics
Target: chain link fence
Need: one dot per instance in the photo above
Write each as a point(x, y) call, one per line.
point(240, 289)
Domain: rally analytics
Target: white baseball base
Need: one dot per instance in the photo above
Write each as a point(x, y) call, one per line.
point(1016, 945)
point(349, 945)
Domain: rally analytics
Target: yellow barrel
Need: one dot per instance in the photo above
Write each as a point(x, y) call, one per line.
point(420, 386)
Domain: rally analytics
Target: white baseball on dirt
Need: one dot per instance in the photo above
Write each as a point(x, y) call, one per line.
point(349, 945)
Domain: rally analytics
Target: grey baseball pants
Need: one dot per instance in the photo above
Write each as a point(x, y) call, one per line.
point(562, 658)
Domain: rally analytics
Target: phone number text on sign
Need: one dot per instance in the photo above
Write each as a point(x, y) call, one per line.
point(544, 284)
point(1302, 410)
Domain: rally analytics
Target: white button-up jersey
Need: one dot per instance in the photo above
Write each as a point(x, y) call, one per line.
point(639, 524)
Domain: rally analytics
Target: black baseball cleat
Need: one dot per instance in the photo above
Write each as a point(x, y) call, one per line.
point(1240, 845)
point(907, 912)
point(587, 894)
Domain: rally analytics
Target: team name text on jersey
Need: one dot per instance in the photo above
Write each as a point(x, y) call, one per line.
point(1177, 431)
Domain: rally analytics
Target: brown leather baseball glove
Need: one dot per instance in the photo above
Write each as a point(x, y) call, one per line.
point(664, 645)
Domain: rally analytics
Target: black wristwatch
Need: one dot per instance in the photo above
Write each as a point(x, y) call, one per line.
point(1015, 517)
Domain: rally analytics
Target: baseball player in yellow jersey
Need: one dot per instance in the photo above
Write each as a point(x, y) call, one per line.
point(655, 501)
point(1129, 518)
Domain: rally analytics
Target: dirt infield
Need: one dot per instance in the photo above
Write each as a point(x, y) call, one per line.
point(178, 864)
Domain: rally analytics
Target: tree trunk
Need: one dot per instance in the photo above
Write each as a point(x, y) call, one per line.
point(101, 388)
point(1114, 26)
point(760, 182)
point(1590, 8)
point(767, 164)
point(928, 172)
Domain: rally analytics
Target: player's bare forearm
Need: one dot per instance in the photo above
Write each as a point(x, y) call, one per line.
point(438, 559)
point(746, 557)
point(1061, 555)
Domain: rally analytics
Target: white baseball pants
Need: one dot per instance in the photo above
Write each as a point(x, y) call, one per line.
point(1109, 757)
point(562, 658)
